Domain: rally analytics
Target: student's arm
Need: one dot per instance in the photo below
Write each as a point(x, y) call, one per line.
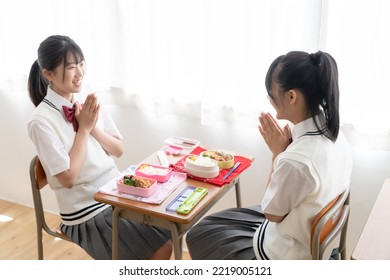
point(276, 138)
point(110, 144)
point(107, 134)
point(86, 118)
point(290, 184)
point(77, 156)
point(274, 218)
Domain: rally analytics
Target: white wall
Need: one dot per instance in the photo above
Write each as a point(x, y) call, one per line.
point(144, 134)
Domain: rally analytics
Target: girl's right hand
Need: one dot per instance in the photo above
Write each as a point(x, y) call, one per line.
point(87, 114)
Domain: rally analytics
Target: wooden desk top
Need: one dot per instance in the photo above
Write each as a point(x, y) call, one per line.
point(159, 210)
point(214, 192)
point(374, 242)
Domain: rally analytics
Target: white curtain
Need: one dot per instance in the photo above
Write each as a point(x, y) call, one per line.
point(207, 59)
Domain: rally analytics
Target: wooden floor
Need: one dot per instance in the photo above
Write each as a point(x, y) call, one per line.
point(18, 237)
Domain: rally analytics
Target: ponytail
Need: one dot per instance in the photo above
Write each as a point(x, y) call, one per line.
point(327, 77)
point(37, 84)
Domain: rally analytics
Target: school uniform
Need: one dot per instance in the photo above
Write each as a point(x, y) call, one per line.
point(310, 173)
point(86, 221)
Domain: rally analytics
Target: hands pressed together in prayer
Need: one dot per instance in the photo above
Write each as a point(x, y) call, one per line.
point(87, 113)
point(276, 137)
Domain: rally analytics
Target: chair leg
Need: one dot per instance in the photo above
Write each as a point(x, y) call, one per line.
point(343, 241)
point(343, 252)
point(40, 245)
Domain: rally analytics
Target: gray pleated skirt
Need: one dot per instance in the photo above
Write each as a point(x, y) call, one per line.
point(226, 235)
point(136, 241)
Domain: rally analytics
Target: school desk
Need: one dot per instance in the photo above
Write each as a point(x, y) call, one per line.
point(374, 241)
point(157, 215)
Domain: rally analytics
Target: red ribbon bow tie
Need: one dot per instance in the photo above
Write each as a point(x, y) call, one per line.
point(69, 114)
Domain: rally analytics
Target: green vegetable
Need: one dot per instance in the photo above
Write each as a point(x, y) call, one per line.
point(128, 180)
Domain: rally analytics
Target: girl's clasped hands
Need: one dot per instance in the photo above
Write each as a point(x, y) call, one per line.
point(276, 137)
point(87, 114)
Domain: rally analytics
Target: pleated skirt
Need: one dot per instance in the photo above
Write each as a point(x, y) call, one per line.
point(136, 241)
point(226, 235)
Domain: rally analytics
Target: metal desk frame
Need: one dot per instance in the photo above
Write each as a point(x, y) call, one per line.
point(178, 224)
point(177, 229)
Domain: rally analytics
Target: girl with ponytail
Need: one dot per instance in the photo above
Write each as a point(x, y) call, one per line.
point(76, 141)
point(311, 165)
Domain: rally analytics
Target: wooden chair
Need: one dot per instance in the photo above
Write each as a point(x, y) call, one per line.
point(38, 181)
point(329, 224)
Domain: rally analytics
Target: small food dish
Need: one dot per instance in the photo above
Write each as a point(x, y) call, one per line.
point(224, 160)
point(159, 173)
point(202, 167)
point(137, 185)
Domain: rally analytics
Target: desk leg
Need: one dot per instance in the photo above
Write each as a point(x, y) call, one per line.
point(176, 241)
point(115, 232)
point(238, 193)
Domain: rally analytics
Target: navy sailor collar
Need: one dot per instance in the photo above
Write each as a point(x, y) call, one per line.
point(308, 127)
point(56, 101)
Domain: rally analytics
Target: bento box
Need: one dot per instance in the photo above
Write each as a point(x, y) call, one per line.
point(202, 167)
point(159, 173)
point(137, 185)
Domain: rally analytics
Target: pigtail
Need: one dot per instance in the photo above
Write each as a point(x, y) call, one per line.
point(37, 84)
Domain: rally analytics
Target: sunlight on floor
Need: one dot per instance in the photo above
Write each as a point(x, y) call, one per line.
point(4, 218)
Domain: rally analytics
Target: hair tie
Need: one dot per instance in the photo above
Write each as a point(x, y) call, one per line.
point(315, 58)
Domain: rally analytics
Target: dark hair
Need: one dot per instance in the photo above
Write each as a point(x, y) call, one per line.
point(316, 76)
point(51, 53)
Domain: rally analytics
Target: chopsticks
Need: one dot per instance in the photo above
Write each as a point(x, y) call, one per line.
point(231, 170)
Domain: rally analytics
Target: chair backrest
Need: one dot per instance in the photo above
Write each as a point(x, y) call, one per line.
point(40, 174)
point(38, 181)
point(329, 224)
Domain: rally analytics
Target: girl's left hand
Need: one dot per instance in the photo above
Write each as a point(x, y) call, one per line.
point(276, 138)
